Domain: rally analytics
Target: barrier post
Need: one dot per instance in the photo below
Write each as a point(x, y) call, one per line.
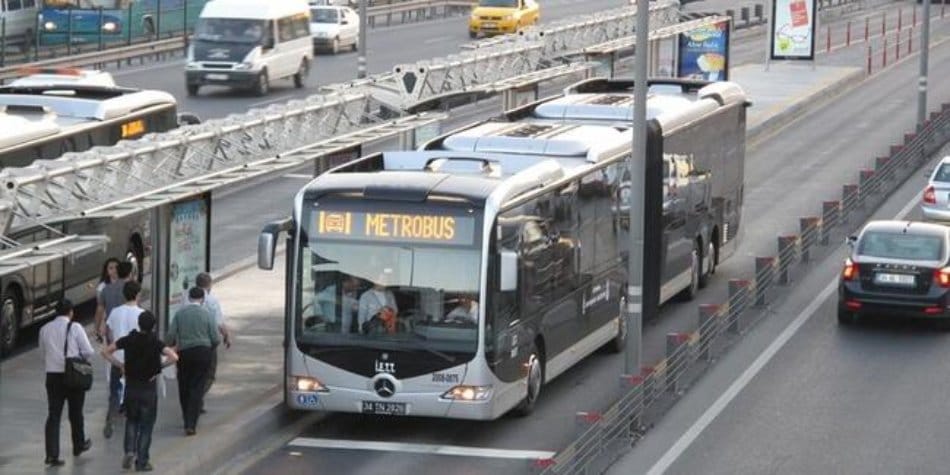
point(897, 46)
point(914, 22)
point(100, 26)
point(675, 357)
point(829, 219)
point(158, 19)
point(828, 40)
point(910, 41)
point(786, 253)
point(128, 29)
point(709, 323)
point(870, 63)
point(849, 196)
point(884, 51)
point(69, 31)
point(884, 24)
point(866, 184)
point(738, 301)
point(3, 41)
point(867, 29)
point(848, 35)
point(764, 267)
point(900, 19)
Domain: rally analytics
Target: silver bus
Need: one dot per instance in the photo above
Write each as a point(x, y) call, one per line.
point(454, 281)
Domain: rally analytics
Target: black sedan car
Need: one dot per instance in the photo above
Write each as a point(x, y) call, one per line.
point(896, 269)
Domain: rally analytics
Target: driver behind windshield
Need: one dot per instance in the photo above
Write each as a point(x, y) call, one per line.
point(465, 312)
point(377, 306)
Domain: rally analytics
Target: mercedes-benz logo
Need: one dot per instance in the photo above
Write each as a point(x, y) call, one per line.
point(385, 387)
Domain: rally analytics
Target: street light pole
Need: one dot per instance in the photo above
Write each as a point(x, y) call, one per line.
point(361, 60)
point(924, 58)
point(637, 168)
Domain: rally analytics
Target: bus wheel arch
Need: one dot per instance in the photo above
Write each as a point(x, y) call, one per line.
point(11, 314)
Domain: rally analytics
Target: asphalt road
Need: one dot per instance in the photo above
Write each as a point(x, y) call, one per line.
point(786, 176)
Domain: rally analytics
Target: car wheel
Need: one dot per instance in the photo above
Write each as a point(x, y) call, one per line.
point(534, 381)
point(846, 318)
point(472, 35)
point(9, 321)
point(301, 75)
point(192, 89)
point(336, 45)
point(709, 261)
point(263, 84)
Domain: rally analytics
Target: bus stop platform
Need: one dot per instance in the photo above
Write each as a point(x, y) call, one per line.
point(245, 414)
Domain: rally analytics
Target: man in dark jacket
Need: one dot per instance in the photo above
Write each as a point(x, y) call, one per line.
point(193, 332)
point(142, 368)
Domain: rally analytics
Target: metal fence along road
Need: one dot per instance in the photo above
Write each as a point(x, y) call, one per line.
point(605, 436)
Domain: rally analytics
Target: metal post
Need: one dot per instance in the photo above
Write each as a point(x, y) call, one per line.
point(184, 21)
point(100, 27)
point(637, 167)
point(128, 29)
point(158, 19)
point(361, 59)
point(69, 31)
point(768, 34)
point(3, 41)
point(924, 59)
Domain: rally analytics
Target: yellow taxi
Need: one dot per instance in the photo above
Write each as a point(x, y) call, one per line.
point(492, 17)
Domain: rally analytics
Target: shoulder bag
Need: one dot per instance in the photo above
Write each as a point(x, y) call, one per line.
point(78, 370)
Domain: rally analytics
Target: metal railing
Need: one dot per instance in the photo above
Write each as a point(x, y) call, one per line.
point(605, 436)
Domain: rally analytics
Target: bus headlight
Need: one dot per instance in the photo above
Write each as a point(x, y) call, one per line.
point(308, 385)
point(49, 26)
point(109, 26)
point(468, 393)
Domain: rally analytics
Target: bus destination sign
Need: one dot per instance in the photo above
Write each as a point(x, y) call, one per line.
point(133, 129)
point(396, 227)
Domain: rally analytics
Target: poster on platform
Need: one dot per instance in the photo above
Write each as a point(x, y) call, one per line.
point(793, 29)
point(188, 248)
point(704, 53)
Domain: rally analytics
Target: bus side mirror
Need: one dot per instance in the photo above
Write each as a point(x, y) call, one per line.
point(509, 271)
point(267, 242)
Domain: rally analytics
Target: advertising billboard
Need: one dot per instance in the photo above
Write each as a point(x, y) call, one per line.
point(188, 248)
point(704, 53)
point(793, 29)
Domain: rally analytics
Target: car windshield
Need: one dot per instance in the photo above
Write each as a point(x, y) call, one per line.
point(498, 3)
point(390, 292)
point(943, 173)
point(903, 246)
point(230, 30)
point(323, 15)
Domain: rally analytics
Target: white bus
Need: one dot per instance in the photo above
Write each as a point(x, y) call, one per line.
point(456, 280)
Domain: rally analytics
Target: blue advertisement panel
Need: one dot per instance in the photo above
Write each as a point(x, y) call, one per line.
point(704, 53)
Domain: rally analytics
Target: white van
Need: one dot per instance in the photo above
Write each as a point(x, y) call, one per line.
point(19, 20)
point(249, 43)
point(334, 27)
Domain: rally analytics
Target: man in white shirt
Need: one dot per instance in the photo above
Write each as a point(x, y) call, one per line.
point(376, 299)
point(465, 312)
point(53, 337)
point(204, 281)
point(122, 320)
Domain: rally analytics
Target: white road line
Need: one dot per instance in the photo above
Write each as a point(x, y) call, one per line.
point(691, 434)
point(427, 449)
point(438, 39)
point(161, 65)
point(285, 97)
point(302, 176)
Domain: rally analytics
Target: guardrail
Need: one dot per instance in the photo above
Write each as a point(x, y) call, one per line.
point(604, 436)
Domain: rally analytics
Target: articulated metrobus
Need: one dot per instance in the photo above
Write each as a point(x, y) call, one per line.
point(43, 121)
point(456, 280)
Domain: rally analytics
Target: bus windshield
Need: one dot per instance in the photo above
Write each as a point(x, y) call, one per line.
point(230, 30)
point(387, 285)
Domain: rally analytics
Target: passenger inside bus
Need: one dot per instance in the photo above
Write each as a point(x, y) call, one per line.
point(465, 312)
point(377, 306)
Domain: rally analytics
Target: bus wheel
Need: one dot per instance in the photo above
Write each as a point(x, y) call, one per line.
point(535, 379)
point(9, 321)
point(689, 293)
point(709, 264)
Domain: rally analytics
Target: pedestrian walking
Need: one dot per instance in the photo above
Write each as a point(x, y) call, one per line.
point(142, 367)
point(122, 320)
point(193, 332)
point(110, 274)
point(61, 339)
point(204, 281)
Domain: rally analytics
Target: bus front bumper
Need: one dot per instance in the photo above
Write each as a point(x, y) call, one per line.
point(400, 404)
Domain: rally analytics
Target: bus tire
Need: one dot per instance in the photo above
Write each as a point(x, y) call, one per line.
point(690, 292)
point(533, 383)
point(192, 89)
point(709, 268)
point(302, 72)
point(262, 87)
point(10, 314)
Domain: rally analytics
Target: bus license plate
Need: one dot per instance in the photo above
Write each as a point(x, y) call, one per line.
point(217, 77)
point(894, 279)
point(384, 408)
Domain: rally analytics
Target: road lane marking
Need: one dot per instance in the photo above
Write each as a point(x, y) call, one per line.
point(691, 434)
point(438, 39)
point(302, 176)
point(428, 449)
point(286, 97)
point(142, 69)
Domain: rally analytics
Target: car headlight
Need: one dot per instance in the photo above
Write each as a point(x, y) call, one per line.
point(468, 393)
point(245, 65)
point(49, 26)
point(508, 17)
point(308, 385)
point(109, 26)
